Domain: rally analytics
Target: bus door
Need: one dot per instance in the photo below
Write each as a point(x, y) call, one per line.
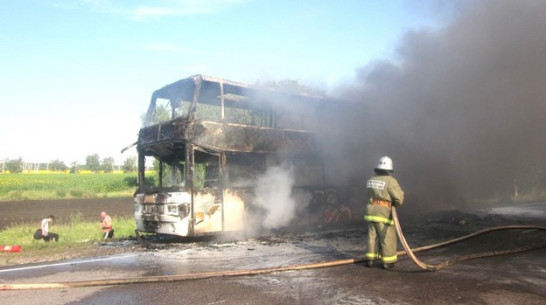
point(207, 193)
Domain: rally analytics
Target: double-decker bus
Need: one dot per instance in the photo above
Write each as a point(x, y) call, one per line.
point(214, 143)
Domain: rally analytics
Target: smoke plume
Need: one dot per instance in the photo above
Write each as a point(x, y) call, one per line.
point(461, 111)
point(277, 204)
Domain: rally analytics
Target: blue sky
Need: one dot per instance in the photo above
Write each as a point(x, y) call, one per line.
point(75, 76)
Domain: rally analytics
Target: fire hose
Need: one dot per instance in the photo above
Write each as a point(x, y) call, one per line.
point(410, 252)
point(248, 272)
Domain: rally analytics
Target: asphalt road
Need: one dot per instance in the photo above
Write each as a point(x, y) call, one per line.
point(512, 279)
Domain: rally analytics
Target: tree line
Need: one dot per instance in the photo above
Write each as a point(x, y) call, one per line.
point(93, 163)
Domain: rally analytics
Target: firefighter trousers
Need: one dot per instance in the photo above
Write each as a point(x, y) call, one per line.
point(382, 242)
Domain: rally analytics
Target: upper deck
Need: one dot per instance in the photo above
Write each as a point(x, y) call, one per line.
point(222, 115)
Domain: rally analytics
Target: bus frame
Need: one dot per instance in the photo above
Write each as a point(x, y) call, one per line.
point(212, 140)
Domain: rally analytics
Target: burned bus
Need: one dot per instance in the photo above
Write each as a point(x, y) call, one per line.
point(224, 154)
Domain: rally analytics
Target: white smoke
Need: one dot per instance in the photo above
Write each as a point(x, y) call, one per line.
point(273, 195)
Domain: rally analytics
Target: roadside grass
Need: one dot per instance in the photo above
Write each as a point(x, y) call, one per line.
point(75, 235)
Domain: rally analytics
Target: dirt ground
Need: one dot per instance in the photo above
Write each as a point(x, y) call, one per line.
point(32, 211)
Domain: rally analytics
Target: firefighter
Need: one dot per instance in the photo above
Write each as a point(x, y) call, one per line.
point(106, 225)
point(384, 192)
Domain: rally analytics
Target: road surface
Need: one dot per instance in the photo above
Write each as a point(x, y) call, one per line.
point(513, 279)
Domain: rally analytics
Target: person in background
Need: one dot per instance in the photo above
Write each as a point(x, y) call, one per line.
point(106, 225)
point(44, 227)
point(384, 193)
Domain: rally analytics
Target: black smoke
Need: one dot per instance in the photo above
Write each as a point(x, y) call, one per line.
point(461, 110)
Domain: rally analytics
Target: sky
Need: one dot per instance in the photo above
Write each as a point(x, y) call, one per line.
point(76, 76)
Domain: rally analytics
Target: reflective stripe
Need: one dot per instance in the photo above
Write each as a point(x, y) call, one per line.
point(389, 259)
point(382, 219)
point(372, 255)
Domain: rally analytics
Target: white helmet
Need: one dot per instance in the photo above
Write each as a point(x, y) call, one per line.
point(385, 163)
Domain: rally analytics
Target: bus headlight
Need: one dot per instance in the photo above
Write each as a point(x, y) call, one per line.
point(172, 209)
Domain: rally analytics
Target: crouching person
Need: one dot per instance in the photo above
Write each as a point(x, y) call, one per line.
point(106, 226)
point(44, 233)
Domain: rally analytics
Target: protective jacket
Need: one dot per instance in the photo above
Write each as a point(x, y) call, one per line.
point(382, 188)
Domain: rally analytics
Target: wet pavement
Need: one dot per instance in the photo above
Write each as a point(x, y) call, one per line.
point(511, 279)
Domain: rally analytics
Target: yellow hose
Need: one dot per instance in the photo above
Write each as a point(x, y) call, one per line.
point(203, 275)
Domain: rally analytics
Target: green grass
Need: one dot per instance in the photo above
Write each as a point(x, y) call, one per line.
point(76, 231)
point(74, 236)
point(65, 186)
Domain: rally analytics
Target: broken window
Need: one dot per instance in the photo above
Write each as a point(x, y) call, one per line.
point(168, 175)
point(244, 169)
point(206, 173)
point(208, 106)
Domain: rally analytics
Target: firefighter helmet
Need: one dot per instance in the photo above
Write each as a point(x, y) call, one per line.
point(385, 163)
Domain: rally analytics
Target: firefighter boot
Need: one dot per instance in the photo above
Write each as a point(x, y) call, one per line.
point(369, 264)
point(388, 266)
